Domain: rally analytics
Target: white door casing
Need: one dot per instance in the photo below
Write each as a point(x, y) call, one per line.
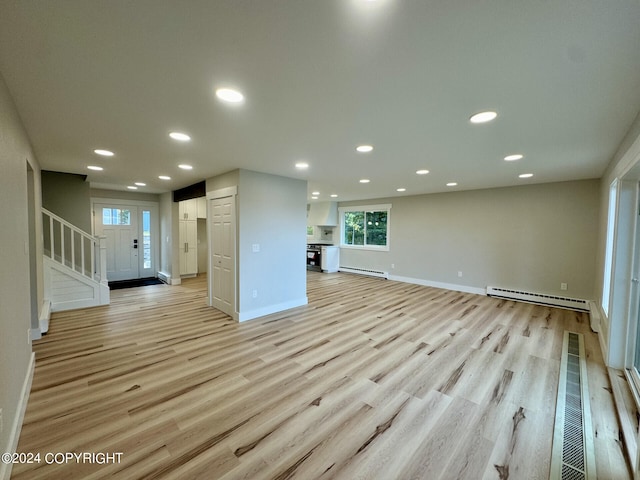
point(222, 277)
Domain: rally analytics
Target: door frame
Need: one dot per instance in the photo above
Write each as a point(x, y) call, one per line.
point(215, 195)
point(633, 309)
point(152, 207)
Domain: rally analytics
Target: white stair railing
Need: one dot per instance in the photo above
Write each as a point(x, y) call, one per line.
point(70, 246)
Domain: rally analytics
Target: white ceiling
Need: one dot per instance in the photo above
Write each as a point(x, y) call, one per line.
point(321, 77)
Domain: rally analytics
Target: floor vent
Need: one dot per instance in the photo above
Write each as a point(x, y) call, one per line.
point(539, 298)
point(573, 456)
point(365, 271)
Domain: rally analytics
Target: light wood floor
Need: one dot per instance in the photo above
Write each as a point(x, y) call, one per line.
point(373, 379)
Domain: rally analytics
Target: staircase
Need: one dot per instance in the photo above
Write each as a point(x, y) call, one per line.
point(75, 265)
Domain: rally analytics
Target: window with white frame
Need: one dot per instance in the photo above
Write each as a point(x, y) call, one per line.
point(365, 227)
point(608, 255)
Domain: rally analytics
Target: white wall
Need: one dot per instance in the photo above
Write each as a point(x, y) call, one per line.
point(15, 293)
point(272, 213)
point(530, 237)
point(203, 246)
point(169, 237)
point(125, 195)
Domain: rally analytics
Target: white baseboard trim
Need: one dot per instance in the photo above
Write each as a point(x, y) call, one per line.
point(261, 312)
point(595, 316)
point(45, 315)
point(16, 427)
point(604, 349)
point(35, 334)
point(446, 286)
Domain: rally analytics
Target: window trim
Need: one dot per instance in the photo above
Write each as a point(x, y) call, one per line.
point(609, 255)
point(385, 207)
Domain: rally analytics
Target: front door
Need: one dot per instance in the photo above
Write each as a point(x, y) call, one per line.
point(222, 281)
point(119, 224)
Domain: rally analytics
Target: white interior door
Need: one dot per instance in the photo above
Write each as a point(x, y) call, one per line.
point(119, 224)
point(222, 248)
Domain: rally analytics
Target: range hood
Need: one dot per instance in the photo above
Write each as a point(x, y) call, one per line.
point(322, 214)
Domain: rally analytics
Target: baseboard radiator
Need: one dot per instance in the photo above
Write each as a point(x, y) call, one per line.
point(163, 277)
point(539, 298)
point(365, 271)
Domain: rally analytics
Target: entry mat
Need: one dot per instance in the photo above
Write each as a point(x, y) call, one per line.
point(138, 282)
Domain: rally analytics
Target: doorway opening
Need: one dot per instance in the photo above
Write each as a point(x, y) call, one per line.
point(33, 268)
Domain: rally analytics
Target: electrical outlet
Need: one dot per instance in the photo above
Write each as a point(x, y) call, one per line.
point(255, 294)
point(393, 265)
point(28, 336)
point(459, 274)
point(563, 286)
point(255, 247)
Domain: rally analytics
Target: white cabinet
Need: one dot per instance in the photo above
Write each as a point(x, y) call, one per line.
point(188, 247)
point(329, 259)
point(189, 212)
point(188, 209)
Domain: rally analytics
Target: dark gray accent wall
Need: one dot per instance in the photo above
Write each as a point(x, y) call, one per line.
point(68, 196)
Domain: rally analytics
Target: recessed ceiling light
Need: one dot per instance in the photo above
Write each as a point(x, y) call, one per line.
point(526, 175)
point(302, 165)
point(333, 195)
point(141, 184)
point(184, 166)
point(516, 156)
point(364, 148)
point(365, 180)
point(452, 184)
point(131, 187)
point(314, 198)
point(104, 153)
point(95, 167)
point(483, 117)
point(315, 193)
point(401, 189)
point(422, 172)
point(229, 95)
point(181, 137)
point(164, 177)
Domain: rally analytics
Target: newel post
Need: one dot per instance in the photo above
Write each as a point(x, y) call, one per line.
point(103, 259)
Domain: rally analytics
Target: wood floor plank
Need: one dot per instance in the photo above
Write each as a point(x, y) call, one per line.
point(373, 379)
